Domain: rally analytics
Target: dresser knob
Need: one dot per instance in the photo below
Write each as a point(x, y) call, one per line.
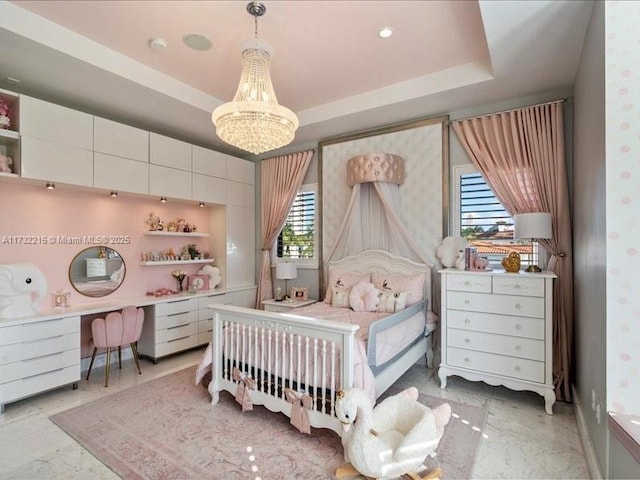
point(467, 283)
point(518, 327)
point(517, 369)
point(518, 307)
point(467, 321)
point(467, 302)
point(467, 360)
point(466, 340)
point(518, 348)
point(516, 286)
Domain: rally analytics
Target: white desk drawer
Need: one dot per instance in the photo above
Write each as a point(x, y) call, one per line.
point(519, 285)
point(36, 330)
point(205, 326)
point(39, 383)
point(176, 306)
point(518, 368)
point(469, 283)
point(175, 319)
point(179, 331)
point(204, 338)
point(504, 304)
point(204, 301)
point(500, 344)
point(37, 348)
point(492, 323)
point(39, 365)
point(177, 345)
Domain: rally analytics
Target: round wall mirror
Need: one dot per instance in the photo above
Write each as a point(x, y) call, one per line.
point(97, 271)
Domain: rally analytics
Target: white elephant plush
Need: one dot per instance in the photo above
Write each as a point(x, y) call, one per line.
point(448, 250)
point(23, 288)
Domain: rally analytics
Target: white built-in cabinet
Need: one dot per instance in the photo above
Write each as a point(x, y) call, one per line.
point(209, 175)
point(170, 167)
point(56, 143)
point(121, 157)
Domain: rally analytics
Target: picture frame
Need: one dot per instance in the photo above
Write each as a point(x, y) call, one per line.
point(198, 282)
point(299, 294)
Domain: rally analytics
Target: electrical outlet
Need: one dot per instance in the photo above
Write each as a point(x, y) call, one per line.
point(597, 410)
point(593, 400)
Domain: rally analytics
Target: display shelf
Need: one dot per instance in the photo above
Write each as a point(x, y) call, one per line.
point(9, 135)
point(176, 262)
point(176, 234)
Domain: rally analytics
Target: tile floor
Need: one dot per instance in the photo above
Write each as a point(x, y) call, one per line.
point(521, 441)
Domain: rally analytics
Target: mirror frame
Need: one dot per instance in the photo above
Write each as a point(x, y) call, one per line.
point(79, 254)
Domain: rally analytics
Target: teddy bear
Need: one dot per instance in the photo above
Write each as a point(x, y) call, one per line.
point(214, 275)
point(4, 163)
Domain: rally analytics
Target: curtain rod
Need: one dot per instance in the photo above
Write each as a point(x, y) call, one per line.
point(562, 100)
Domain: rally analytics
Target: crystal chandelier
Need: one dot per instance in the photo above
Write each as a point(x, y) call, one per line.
point(254, 121)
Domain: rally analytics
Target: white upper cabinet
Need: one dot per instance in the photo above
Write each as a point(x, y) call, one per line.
point(209, 189)
point(169, 182)
point(121, 174)
point(240, 170)
point(61, 125)
point(121, 140)
point(50, 161)
point(209, 162)
point(240, 194)
point(169, 152)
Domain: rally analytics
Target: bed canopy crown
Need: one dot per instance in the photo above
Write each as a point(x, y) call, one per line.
point(375, 167)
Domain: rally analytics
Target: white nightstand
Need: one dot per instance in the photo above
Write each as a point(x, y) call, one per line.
point(284, 306)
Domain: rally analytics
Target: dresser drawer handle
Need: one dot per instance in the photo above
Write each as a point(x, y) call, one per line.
point(27, 360)
point(518, 307)
point(518, 348)
point(467, 321)
point(517, 368)
point(518, 327)
point(466, 340)
point(177, 339)
point(177, 313)
point(178, 326)
point(467, 360)
point(27, 342)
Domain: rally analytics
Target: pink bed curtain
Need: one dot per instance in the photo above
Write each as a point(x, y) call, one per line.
point(520, 153)
point(281, 178)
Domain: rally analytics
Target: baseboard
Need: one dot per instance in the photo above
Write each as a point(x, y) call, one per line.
point(587, 445)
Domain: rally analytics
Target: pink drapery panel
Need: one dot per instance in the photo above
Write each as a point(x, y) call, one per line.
point(520, 153)
point(281, 178)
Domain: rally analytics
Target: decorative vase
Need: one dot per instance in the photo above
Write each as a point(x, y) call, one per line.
point(180, 287)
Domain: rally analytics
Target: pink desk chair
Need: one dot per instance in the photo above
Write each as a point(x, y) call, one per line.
point(118, 329)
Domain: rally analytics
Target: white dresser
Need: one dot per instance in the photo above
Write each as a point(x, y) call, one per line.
point(38, 355)
point(497, 327)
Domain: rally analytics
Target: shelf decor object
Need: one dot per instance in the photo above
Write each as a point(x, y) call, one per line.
point(254, 121)
point(532, 226)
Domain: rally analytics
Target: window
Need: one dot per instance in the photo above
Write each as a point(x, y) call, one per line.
point(480, 218)
point(297, 240)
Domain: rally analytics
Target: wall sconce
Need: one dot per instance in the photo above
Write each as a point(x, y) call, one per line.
point(50, 186)
point(163, 199)
point(201, 204)
point(114, 194)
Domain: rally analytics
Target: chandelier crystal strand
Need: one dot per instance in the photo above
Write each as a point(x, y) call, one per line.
point(254, 121)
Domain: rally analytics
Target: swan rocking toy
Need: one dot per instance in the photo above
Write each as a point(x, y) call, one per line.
point(391, 440)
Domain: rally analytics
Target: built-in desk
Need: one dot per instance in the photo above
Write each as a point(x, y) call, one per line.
point(42, 352)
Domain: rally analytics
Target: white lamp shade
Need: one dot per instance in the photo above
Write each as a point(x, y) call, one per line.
point(286, 271)
point(532, 225)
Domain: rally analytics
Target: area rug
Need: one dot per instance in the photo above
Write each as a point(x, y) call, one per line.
point(167, 429)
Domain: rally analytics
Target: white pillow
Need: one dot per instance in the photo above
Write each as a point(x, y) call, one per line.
point(364, 297)
point(391, 302)
point(345, 280)
point(340, 297)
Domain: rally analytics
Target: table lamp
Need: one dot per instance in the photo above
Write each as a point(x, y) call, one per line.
point(533, 226)
point(286, 271)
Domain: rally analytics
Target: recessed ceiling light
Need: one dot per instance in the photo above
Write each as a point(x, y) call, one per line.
point(197, 42)
point(157, 44)
point(385, 32)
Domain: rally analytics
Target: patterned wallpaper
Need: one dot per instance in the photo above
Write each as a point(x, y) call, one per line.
point(623, 205)
point(420, 194)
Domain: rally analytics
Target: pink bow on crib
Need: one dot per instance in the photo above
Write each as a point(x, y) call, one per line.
point(243, 392)
point(300, 404)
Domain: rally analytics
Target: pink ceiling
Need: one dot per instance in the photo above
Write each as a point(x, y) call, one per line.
point(323, 50)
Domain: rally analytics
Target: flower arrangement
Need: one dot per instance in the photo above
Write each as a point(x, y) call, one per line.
point(179, 275)
point(5, 120)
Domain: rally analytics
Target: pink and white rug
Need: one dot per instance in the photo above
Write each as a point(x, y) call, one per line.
point(166, 429)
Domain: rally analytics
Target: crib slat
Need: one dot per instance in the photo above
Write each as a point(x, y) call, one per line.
point(324, 375)
point(315, 371)
point(290, 360)
point(332, 378)
point(275, 369)
point(306, 365)
point(269, 335)
point(299, 359)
